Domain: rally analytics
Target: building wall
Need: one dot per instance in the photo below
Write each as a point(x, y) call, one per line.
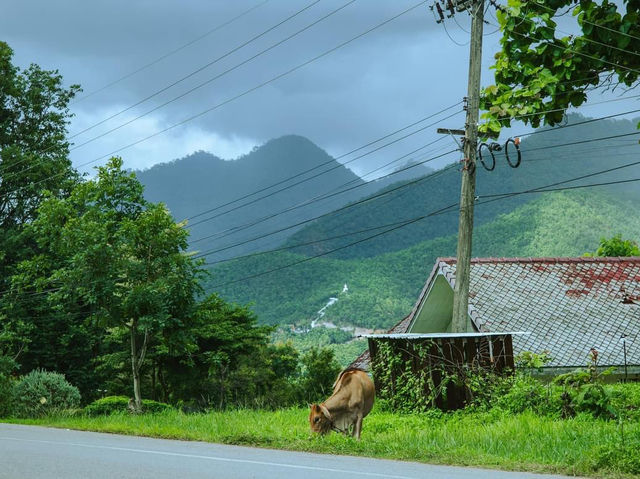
point(435, 313)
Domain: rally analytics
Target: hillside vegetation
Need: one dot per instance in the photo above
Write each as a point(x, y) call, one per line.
point(382, 290)
point(283, 173)
point(544, 163)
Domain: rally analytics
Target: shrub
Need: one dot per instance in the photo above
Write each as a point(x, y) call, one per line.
point(119, 404)
point(625, 398)
point(584, 392)
point(529, 394)
point(7, 366)
point(41, 392)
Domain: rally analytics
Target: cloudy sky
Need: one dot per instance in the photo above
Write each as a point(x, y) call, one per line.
point(137, 55)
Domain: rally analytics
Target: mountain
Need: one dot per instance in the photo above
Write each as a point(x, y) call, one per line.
point(543, 163)
point(201, 182)
point(382, 289)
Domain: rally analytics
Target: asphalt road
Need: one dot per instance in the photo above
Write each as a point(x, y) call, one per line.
point(28, 452)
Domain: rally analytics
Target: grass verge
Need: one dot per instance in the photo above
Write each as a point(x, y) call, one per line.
point(524, 442)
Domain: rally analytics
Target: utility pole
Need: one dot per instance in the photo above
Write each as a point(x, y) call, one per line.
point(467, 193)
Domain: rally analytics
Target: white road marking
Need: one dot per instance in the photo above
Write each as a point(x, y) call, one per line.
point(210, 458)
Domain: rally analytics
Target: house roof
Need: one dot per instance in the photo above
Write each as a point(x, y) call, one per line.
point(568, 304)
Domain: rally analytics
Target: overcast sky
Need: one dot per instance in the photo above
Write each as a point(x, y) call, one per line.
point(389, 78)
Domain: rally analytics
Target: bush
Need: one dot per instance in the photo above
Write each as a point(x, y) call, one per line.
point(625, 398)
point(529, 394)
point(41, 392)
point(7, 366)
point(119, 404)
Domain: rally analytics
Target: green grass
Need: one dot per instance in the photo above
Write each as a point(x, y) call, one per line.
point(525, 442)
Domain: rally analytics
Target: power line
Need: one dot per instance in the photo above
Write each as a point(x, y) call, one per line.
point(604, 27)
point(172, 52)
point(332, 160)
point(200, 85)
point(493, 197)
point(531, 37)
point(310, 258)
point(334, 192)
point(350, 205)
point(591, 120)
point(339, 165)
point(198, 70)
point(217, 250)
point(246, 92)
point(446, 209)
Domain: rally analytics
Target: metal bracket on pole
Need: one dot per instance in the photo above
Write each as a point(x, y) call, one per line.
point(453, 132)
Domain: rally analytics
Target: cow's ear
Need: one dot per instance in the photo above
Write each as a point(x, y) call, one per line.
point(325, 411)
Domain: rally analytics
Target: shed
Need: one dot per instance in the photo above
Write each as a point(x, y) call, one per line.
point(569, 305)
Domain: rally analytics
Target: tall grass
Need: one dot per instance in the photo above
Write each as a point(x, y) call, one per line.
point(527, 442)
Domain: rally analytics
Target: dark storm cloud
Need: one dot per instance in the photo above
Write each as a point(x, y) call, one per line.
point(383, 81)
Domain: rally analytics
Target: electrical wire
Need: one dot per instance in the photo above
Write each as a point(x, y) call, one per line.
point(446, 209)
point(339, 165)
point(497, 197)
point(203, 67)
point(172, 52)
point(339, 157)
point(343, 208)
point(246, 92)
point(200, 85)
point(345, 187)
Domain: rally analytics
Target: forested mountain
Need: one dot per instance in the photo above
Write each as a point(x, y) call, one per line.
point(202, 182)
point(381, 290)
point(543, 163)
point(384, 273)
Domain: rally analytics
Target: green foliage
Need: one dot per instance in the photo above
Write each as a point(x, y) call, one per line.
point(402, 389)
point(34, 115)
point(124, 264)
point(121, 404)
point(41, 392)
point(618, 458)
point(625, 399)
point(528, 360)
point(540, 72)
point(7, 367)
point(526, 393)
point(383, 289)
point(584, 391)
point(320, 370)
point(616, 246)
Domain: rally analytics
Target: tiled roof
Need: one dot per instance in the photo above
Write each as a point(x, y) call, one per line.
point(568, 304)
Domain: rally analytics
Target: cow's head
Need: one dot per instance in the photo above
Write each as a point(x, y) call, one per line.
point(320, 419)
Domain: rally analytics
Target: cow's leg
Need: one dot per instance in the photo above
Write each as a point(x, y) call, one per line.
point(358, 426)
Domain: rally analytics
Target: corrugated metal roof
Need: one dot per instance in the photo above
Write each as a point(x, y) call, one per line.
point(442, 335)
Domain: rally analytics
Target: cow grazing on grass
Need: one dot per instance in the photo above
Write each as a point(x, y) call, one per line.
point(352, 399)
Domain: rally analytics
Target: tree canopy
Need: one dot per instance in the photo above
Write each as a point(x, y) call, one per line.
point(541, 70)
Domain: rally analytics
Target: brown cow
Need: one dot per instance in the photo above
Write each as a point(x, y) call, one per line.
point(352, 399)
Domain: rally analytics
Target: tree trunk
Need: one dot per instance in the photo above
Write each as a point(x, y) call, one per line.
point(135, 368)
point(136, 363)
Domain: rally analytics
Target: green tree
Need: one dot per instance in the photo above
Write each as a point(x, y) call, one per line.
point(34, 115)
point(616, 246)
point(124, 264)
point(541, 71)
point(219, 337)
point(320, 370)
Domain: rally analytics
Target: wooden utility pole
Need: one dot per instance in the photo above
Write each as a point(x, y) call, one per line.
point(468, 190)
